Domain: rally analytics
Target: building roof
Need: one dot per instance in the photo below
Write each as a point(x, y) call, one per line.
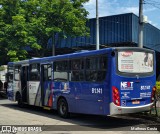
point(116, 30)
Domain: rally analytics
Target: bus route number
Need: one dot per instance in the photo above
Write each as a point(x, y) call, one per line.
point(96, 90)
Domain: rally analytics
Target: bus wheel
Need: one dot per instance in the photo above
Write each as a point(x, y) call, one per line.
point(63, 108)
point(20, 103)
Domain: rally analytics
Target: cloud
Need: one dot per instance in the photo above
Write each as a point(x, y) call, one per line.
point(90, 3)
point(149, 9)
point(134, 10)
point(111, 7)
point(107, 7)
point(152, 23)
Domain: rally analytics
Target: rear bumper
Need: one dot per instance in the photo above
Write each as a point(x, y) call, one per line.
point(114, 110)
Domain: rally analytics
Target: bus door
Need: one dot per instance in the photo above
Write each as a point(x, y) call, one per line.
point(24, 79)
point(46, 84)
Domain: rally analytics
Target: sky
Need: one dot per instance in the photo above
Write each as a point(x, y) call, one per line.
point(151, 9)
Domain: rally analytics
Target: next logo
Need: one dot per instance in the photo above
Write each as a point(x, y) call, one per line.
point(126, 85)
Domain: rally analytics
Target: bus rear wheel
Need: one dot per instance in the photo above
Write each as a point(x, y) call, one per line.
point(63, 108)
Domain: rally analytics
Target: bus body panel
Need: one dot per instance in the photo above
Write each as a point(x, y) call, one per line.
point(134, 96)
point(10, 92)
point(13, 89)
point(47, 94)
point(81, 97)
point(17, 88)
point(108, 84)
point(34, 93)
point(86, 96)
point(135, 91)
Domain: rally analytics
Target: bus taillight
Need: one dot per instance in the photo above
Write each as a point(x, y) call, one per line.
point(115, 96)
point(153, 94)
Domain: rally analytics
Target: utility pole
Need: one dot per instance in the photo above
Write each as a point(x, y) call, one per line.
point(140, 38)
point(97, 27)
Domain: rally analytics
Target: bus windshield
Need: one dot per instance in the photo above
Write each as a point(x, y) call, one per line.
point(135, 62)
point(10, 74)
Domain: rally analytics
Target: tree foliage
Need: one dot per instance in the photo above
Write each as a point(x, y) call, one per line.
point(2, 68)
point(30, 23)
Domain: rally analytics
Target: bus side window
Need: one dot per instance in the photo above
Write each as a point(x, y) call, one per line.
point(103, 68)
point(17, 73)
point(96, 68)
point(91, 65)
point(34, 72)
point(77, 70)
point(47, 72)
point(60, 70)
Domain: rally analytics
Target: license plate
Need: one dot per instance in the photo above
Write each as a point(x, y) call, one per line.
point(135, 102)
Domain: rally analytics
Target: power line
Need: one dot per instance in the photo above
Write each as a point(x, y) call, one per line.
point(153, 3)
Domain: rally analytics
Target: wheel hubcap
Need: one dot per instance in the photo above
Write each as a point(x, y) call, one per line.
point(63, 108)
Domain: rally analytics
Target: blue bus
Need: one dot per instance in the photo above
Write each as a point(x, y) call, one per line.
point(109, 81)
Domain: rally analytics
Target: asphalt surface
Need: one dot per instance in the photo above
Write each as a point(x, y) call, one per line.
point(30, 117)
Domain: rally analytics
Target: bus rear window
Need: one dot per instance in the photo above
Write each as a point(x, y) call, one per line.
point(135, 62)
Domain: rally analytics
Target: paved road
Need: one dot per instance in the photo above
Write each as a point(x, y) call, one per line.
point(11, 114)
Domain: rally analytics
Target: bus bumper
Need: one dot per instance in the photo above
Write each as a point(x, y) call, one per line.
point(114, 110)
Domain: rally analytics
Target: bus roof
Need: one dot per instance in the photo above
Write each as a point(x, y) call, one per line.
point(10, 63)
point(76, 55)
point(23, 62)
point(133, 48)
point(84, 53)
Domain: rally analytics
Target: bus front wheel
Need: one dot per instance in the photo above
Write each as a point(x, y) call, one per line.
point(63, 108)
point(19, 100)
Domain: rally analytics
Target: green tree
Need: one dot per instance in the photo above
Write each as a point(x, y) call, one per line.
point(30, 23)
point(14, 34)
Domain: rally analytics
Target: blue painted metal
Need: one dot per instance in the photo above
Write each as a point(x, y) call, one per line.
point(94, 97)
point(114, 30)
point(151, 34)
point(10, 63)
point(79, 95)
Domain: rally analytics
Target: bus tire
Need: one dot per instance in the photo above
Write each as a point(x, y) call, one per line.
point(20, 102)
point(63, 108)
